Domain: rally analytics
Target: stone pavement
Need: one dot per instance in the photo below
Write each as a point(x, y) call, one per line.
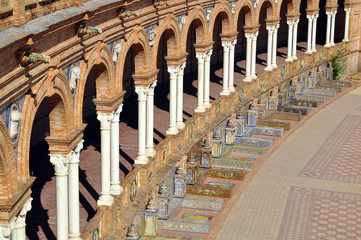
point(309, 188)
point(42, 219)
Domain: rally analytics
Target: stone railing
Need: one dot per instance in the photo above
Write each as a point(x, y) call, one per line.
point(143, 179)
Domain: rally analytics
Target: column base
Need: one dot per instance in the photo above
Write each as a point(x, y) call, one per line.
point(327, 45)
point(345, 40)
point(207, 105)
point(308, 51)
point(150, 152)
point(247, 79)
point(224, 92)
point(289, 59)
point(115, 189)
point(200, 109)
point(314, 50)
point(74, 236)
point(141, 159)
point(294, 57)
point(274, 66)
point(231, 89)
point(254, 76)
point(332, 44)
point(105, 200)
point(180, 125)
point(269, 68)
point(172, 131)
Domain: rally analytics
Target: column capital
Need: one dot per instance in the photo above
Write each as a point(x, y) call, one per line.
point(296, 21)
point(249, 36)
point(5, 232)
point(254, 36)
point(329, 12)
point(334, 12)
point(234, 42)
point(74, 155)
point(270, 28)
point(20, 220)
point(348, 10)
point(60, 163)
point(142, 92)
point(201, 56)
point(290, 23)
point(105, 120)
point(226, 45)
point(116, 113)
point(151, 89)
point(209, 54)
point(181, 68)
point(310, 17)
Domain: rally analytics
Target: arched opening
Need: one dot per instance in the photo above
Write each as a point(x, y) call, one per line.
point(340, 22)
point(303, 26)
point(262, 39)
point(282, 36)
point(321, 24)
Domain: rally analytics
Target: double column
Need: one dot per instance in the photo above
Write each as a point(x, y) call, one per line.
point(292, 40)
point(272, 47)
point(228, 67)
point(18, 231)
point(251, 56)
point(330, 30)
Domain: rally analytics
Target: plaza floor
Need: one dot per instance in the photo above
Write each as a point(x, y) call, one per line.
point(41, 221)
point(310, 186)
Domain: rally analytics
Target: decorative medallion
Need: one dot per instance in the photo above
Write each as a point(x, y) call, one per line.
point(303, 61)
point(321, 54)
point(241, 94)
point(262, 81)
point(164, 155)
point(192, 129)
point(133, 190)
point(95, 235)
point(218, 109)
point(283, 71)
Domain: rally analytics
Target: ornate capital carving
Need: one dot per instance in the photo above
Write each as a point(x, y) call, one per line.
point(74, 155)
point(116, 113)
point(60, 163)
point(151, 89)
point(142, 93)
point(226, 45)
point(173, 71)
point(105, 120)
point(347, 10)
point(20, 220)
point(201, 57)
point(5, 232)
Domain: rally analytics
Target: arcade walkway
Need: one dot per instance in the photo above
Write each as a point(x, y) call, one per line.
point(41, 220)
point(310, 187)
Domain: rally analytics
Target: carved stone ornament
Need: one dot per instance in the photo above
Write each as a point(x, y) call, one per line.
point(60, 163)
point(117, 49)
point(105, 120)
point(142, 93)
point(152, 33)
point(209, 13)
point(14, 123)
point(5, 232)
point(20, 220)
point(75, 74)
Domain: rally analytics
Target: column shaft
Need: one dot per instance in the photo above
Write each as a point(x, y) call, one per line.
point(333, 19)
point(289, 49)
point(328, 28)
point(294, 52)
point(248, 77)
point(225, 90)
point(200, 106)
point(115, 188)
point(105, 198)
point(309, 34)
point(231, 67)
point(180, 124)
point(207, 79)
point(142, 98)
point(254, 53)
point(269, 48)
point(347, 23)
point(172, 100)
point(274, 48)
point(150, 121)
point(314, 27)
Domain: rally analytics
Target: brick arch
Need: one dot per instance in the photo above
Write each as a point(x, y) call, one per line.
point(227, 23)
point(291, 7)
point(168, 25)
point(310, 5)
point(249, 13)
point(7, 164)
point(138, 40)
point(61, 115)
point(271, 10)
point(99, 60)
point(201, 30)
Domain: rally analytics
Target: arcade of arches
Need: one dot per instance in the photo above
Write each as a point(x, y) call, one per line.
point(101, 102)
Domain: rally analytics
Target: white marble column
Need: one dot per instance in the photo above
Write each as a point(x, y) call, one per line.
point(347, 23)
point(309, 34)
point(226, 46)
point(328, 28)
point(269, 48)
point(200, 107)
point(173, 71)
point(142, 98)
point(289, 48)
point(179, 120)
point(231, 67)
point(274, 48)
point(150, 152)
point(73, 185)
point(115, 188)
point(294, 45)
point(254, 55)
point(18, 233)
point(332, 37)
point(207, 79)
point(60, 163)
point(314, 27)
point(248, 77)
point(105, 198)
